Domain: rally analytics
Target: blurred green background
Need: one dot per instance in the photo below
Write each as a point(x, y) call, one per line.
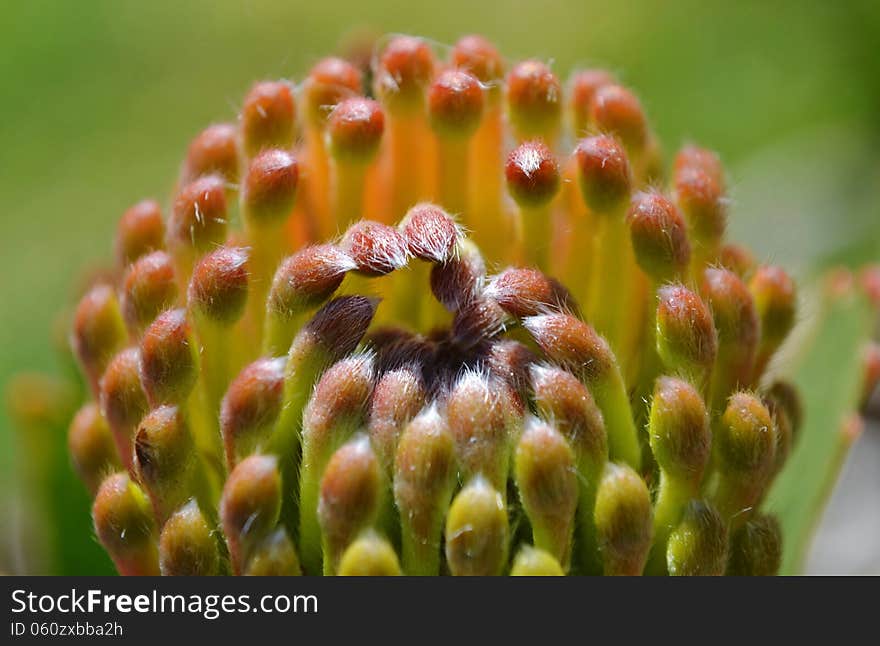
point(99, 98)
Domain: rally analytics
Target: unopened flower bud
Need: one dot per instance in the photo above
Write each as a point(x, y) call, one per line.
point(738, 259)
point(267, 117)
point(694, 157)
point(477, 531)
point(455, 104)
point(604, 173)
point(583, 87)
point(534, 99)
point(377, 249)
point(331, 81)
point(269, 188)
point(679, 432)
point(355, 129)
point(458, 280)
point(776, 303)
point(616, 111)
point(398, 397)
point(476, 55)
point(187, 546)
point(274, 555)
point(199, 218)
point(406, 66)
point(531, 561)
point(218, 289)
point(430, 233)
point(169, 359)
point(213, 151)
point(756, 548)
point(659, 237)
point(98, 332)
point(91, 447)
point(701, 199)
point(697, 546)
point(140, 231)
point(149, 288)
point(545, 475)
point(123, 401)
point(623, 520)
point(533, 175)
point(125, 526)
point(369, 555)
point(686, 338)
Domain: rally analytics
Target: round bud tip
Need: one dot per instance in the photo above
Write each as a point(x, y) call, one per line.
point(746, 439)
point(169, 358)
point(98, 331)
point(477, 531)
point(369, 555)
point(476, 55)
point(532, 174)
point(251, 500)
point(737, 259)
point(329, 82)
point(572, 344)
point(455, 103)
point(213, 151)
point(341, 323)
point(187, 546)
point(163, 448)
point(732, 307)
point(697, 546)
point(528, 292)
point(125, 526)
point(686, 338)
point(355, 128)
point(531, 561)
point(623, 518)
point(604, 173)
point(140, 230)
point(308, 278)
point(91, 446)
point(267, 117)
point(701, 198)
point(377, 249)
point(149, 288)
point(776, 302)
point(430, 233)
point(756, 548)
point(219, 286)
point(584, 85)
point(694, 157)
point(406, 66)
point(199, 218)
point(659, 236)
point(679, 430)
point(275, 555)
point(534, 97)
point(269, 190)
point(617, 111)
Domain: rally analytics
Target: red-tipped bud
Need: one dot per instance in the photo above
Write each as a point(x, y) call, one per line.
point(330, 81)
point(530, 561)
point(169, 358)
point(251, 407)
point(98, 332)
point(275, 555)
point(477, 531)
point(534, 98)
point(756, 548)
point(199, 218)
point(350, 498)
point(91, 447)
point(623, 518)
point(617, 111)
point(512, 361)
point(355, 129)
point(123, 401)
point(267, 117)
point(604, 173)
point(686, 338)
point(250, 505)
point(457, 281)
point(269, 189)
point(398, 397)
point(140, 231)
point(339, 400)
point(308, 278)
point(776, 303)
point(738, 259)
point(532, 174)
point(736, 321)
point(149, 288)
point(545, 474)
point(694, 157)
point(219, 286)
point(164, 456)
point(430, 233)
point(377, 249)
point(679, 431)
point(187, 546)
point(455, 103)
point(701, 198)
point(369, 555)
point(659, 237)
point(213, 151)
point(340, 325)
point(424, 479)
point(528, 292)
point(478, 56)
point(698, 544)
point(572, 344)
point(405, 69)
point(476, 321)
point(481, 415)
point(562, 399)
point(125, 526)
point(584, 85)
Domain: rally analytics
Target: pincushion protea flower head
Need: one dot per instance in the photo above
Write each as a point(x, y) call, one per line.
point(459, 322)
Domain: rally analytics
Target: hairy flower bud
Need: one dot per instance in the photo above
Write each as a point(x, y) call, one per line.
point(331, 81)
point(623, 520)
point(532, 173)
point(140, 231)
point(455, 103)
point(477, 531)
point(756, 548)
point(604, 173)
point(187, 546)
point(531, 561)
point(617, 111)
point(369, 555)
point(583, 87)
point(355, 129)
point(430, 233)
point(267, 117)
point(123, 401)
point(124, 524)
point(274, 555)
point(91, 447)
point(659, 237)
point(406, 66)
point(199, 218)
point(169, 359)
point(98, 332)
point(149, 288)
point(775, 302)
point(377, 249)
point(534, 99)
point(214, 151)
point(219, 286)
point(686, 338)
point(697, 546)
point(269, 188)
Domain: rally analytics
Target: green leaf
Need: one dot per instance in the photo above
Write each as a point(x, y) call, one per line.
point(828, 376)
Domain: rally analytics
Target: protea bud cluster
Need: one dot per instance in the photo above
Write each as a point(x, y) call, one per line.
point(459, 322)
